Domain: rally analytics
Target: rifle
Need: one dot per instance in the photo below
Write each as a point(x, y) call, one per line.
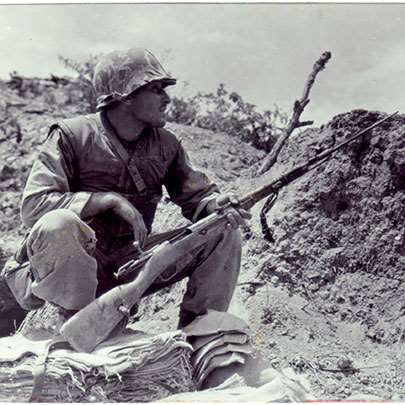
point(94, 323)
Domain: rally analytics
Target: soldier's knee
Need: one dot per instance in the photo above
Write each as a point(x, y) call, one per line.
point(57, 220)
point(59, 228)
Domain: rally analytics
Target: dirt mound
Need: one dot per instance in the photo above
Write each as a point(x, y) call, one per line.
point(331, 286)
point(340, 237)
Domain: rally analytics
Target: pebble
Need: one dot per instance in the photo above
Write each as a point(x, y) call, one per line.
point(365, 380)
point(275, 280)
point(272, 343)
point(340, 299)
point(275, 362)
point(324, 294)
point(313, 287)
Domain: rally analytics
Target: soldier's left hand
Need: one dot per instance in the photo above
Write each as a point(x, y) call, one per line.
point(236, 215)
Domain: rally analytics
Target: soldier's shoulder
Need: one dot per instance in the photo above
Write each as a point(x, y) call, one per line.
point(76, 125)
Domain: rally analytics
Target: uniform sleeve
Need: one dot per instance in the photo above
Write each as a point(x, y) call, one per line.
point(49, 185)
point(188, 187)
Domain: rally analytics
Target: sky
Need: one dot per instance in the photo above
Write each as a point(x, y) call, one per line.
point(265, 52)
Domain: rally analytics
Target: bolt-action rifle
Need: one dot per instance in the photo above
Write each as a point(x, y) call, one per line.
point(94, 323)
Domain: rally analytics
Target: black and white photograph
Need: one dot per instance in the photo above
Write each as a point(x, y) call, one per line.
point(202, 202)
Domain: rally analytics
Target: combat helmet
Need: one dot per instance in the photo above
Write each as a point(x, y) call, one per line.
point(120, 73)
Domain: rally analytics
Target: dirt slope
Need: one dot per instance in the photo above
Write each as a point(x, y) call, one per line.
point(333, 278)
point(329, 291)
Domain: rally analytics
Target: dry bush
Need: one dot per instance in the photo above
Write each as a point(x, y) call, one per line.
point(227, 112)
point(84, 71)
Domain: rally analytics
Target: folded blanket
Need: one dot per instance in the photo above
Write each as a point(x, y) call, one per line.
point(280, 387)
point(132, 367)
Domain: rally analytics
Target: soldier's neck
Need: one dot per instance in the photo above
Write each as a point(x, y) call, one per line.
point(125, 126)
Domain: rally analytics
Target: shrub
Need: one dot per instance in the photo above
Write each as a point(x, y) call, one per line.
point(84, 71)
point(228, 112)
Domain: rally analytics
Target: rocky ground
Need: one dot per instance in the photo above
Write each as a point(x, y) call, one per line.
point(326, 296)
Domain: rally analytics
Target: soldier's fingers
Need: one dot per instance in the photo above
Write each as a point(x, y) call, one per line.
point(139, 235)
point(233, 199)
point(222, 200)
point(137, 246)
point(233, 220)
point(245, 214)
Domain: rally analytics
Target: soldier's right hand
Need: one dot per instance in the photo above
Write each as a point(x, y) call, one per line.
point(129, 213)
point(101, 202)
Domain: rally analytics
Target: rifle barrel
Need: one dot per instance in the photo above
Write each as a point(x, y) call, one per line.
point(255, 196)
point(362, 132)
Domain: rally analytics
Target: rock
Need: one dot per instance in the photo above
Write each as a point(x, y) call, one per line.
point(340, 299)
point(331, 308)
point(271, 343)
point(274, 280)
point(324, 294)
point(313, 287)
point(365, 380)
point(344, 364)
point(314, 275)
point(7, 172)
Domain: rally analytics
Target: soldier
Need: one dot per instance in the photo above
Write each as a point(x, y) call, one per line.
point(92, 193)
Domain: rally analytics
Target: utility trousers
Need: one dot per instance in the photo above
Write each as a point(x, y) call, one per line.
point(71, 267)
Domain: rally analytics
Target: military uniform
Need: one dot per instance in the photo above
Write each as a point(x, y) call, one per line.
point(72, 258)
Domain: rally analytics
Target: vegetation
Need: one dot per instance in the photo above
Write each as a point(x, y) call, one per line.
point(84, 71)
point(227, 112)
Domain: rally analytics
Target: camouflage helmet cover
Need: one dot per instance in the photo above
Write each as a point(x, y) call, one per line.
point(120, 73)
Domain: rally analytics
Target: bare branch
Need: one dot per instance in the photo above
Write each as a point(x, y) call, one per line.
point(304, 123)
point(299, 107)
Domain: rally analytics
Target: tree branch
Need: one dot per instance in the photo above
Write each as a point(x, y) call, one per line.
point(304, 123)
point(299, 107)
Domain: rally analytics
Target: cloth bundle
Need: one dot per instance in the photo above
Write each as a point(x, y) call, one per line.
point(274, 386)
point(132, 367)
point(219, 340)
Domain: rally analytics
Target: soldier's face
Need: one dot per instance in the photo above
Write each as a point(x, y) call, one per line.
point(148, 104)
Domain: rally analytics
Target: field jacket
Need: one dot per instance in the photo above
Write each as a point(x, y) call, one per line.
point(83, 155)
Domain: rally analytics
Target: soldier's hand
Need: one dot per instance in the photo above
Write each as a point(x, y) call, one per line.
point(101, 202)
point(236, 216)
point(123, 208)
